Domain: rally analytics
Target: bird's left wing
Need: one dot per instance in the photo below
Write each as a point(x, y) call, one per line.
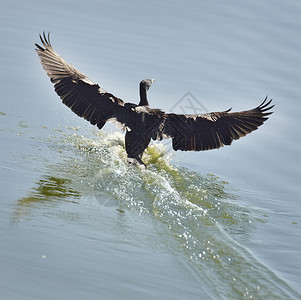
point(213, 130)
point(79, 93)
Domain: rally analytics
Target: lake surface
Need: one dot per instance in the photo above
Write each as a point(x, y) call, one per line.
point(76, 222)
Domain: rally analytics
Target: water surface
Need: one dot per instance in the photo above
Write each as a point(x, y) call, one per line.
point(77, 221)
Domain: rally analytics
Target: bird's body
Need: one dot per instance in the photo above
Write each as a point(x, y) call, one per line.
point(142, 123)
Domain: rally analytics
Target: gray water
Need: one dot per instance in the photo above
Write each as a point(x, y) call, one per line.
point(76, 222)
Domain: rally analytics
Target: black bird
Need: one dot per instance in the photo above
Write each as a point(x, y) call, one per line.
point(194, 132)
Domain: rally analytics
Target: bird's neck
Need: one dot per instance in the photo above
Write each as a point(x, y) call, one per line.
point(143, 96)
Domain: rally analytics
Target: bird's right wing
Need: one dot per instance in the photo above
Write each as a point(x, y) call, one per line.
point(79, 93)
point(213, 130)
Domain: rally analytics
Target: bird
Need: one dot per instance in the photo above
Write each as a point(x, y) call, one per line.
point(189, 132)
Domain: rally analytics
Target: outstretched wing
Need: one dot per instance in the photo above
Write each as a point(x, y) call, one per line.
point(213, 130)
point(78, 92)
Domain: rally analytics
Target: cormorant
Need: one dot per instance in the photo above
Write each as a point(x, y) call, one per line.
point(191, 132)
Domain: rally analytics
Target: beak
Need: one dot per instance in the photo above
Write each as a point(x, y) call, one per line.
point(153, 80)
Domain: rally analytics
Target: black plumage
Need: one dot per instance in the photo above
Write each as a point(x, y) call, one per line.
point(196, 132)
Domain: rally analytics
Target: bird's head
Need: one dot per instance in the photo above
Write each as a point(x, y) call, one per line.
point(146, 83)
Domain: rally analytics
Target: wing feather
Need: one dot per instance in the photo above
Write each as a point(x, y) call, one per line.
point(213, 130)
point(78, 92)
